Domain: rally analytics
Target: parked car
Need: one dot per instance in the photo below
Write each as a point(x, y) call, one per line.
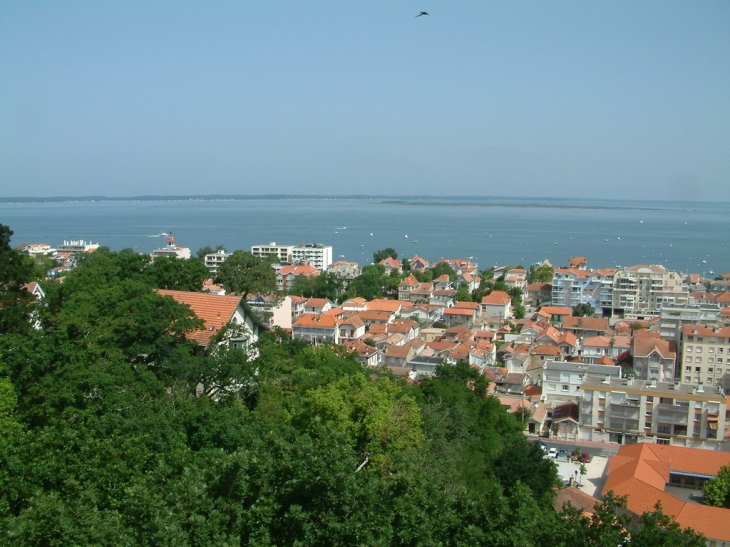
point(585, 457)
point(563, 454)
point(553, 452)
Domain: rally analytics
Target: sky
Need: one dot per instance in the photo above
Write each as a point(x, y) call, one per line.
point(584, 99)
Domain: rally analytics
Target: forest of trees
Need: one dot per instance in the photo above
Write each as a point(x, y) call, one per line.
point(107, 440)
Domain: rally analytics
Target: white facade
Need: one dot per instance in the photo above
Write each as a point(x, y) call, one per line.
point(214, 260)
point(315, 254)
point(282, 252)
point(629, 411)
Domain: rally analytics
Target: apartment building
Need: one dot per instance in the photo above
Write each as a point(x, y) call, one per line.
point(641, 291)
point(573, 286)
point(673, 316)
point(628, 411)
point(283, 253)
point(705, 354)
point(214, 260)
point(562, 380)
point(314, 254)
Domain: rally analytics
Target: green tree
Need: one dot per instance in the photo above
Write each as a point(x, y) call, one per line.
point(243, 273)
point(16, 303)
point(462, 294)
point(543, 274)
point(717, 490)
point(170, 272)
point(583, 310)
point(443, 268)
point(383, 254)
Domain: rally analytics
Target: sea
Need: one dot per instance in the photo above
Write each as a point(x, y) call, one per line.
point(683, 236)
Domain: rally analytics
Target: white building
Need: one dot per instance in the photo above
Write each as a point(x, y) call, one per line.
point(79, 246)
point(172, 250)
point(629, 411)
point(640, 291)
point(214, 260)
point(315, 254)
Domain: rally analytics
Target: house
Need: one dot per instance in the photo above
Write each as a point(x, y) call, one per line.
point(456, 316)
point(346, 271)
point(460, 266)
point(392, 264)
point(351, 328)
point(286, 275)
point(554, 314)
point(317, 305)
point(366, 354)
point(469, 281)
point(565, 421)
point(537, 294)
point(654, 359)
point(317, 329)
point(418, 264)
point(578, 262)
point(516, 277)
point(497, 305)
point(585, 326)
point(643, 472)
point(398, 356)
point(443, 298)
point(407, 286)
point(217, 312)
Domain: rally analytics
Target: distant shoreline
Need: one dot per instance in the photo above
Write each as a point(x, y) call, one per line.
point(429, 201)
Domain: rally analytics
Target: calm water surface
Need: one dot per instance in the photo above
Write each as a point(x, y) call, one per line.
point(682, 236)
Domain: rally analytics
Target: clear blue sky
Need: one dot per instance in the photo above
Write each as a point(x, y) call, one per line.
point(613, 99)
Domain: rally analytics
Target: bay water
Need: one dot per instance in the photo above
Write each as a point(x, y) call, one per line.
point(687, 237)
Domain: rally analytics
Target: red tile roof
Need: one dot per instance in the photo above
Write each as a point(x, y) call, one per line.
point(215, 311)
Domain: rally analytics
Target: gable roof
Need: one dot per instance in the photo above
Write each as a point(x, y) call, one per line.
point(215, 311)
point(497, 298)
point(641, 471)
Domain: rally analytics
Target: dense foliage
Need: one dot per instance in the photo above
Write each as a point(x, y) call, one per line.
point(108, 439)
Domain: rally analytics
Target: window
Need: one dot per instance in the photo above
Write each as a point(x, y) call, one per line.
point(689, 349)
point(698, 359)
point(690, 338)
point(699, 339)
point(699, 349)
point(710, 360)
point(718, 360)
point(719, 350)
point(662, 441)
point(688, 359)
point(698, 369)
point(710, 350)
point(719, 371)
point(709, 381)
point(688, 369)
point(565, 387)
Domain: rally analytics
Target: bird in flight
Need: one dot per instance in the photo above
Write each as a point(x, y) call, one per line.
point(422, 13)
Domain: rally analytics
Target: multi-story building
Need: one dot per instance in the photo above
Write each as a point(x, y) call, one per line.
point(79, 246)
point(314, 254)
point(640, 291)
point(673, 316)
point(562, 380)
point(705, 354)
point(573, 286)
point(214, 260)
point(629, 411)
point(283, 253)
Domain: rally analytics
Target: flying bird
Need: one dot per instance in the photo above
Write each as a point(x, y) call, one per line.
point(422, 13)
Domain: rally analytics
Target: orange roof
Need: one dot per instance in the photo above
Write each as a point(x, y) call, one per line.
point(552, 310)
point(215, 311)
point(545, 350)
point(311, 320)
point(640, 471)
point(460, 311)
point(704, 331)
point(586, 323)
point(300, 269)
point(382, 304)
point(499, 298)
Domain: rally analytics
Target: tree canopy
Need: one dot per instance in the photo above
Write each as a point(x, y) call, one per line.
point(243, 273)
